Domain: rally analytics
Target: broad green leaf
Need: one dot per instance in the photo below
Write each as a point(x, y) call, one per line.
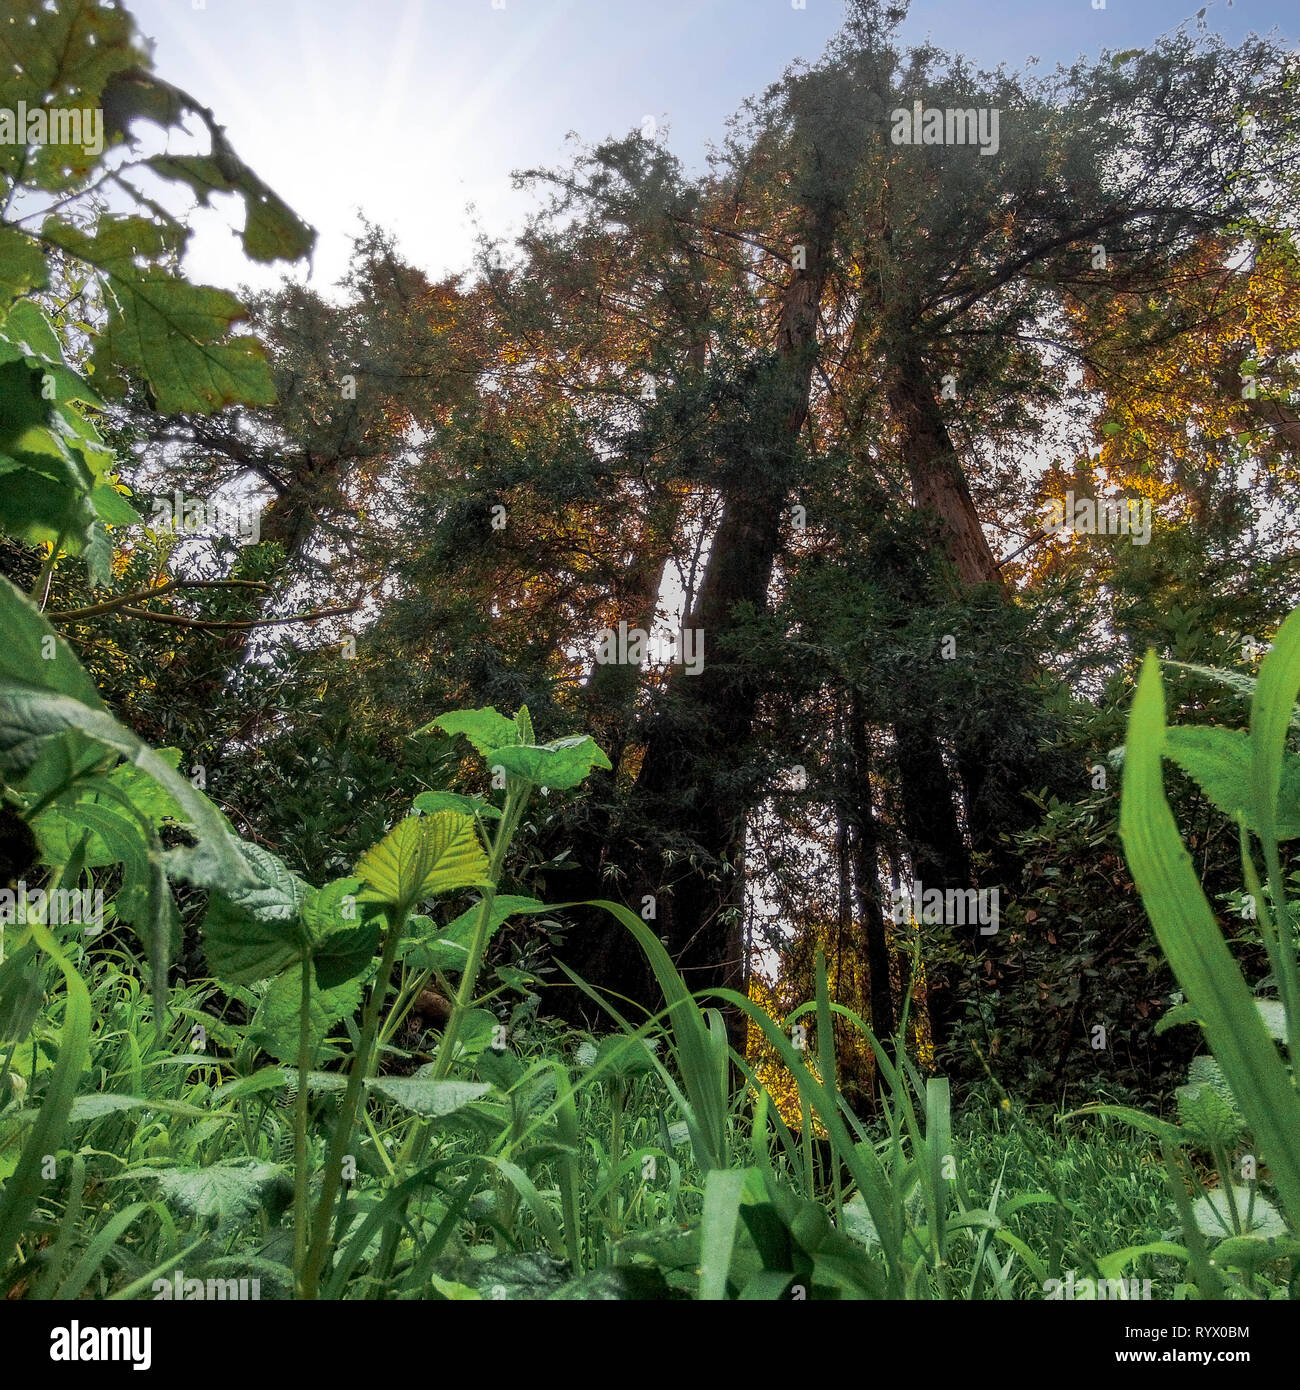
point(1214, 1217)
point(421, 856)
point(507, 1278)
point(111, 507)
point(1205, 1071)
point(272, 231)
point(432, 1099)
point(30, 715)
point(62, 827)
point(277, 894)
point(485, 728)
point(344, 931)
point(426, 947)
point(1219, 761)
point(176, 335)
point(227, 1190)
point(504, 905)
point(253, 933)
point(1207, 1117)
point(26, 334)
point(22, 267)
point(33, 653)
point(72, 49)
point(619, 1056)
point(559, 765)
point(477, 1030)
point(275, 1027)
point(447, 948)
point(95, 1107)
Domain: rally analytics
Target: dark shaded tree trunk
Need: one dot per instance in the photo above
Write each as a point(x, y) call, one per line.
point(935, 846)
point(865, 845)
point(938, 482)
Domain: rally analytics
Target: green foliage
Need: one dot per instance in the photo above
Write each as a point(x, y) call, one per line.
point(340, 1078)
point(152, 326)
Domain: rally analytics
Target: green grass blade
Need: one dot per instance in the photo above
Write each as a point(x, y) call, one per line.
point(25, 1183)
point(1270, 719)
point(1191, 940)
point(722, 1192)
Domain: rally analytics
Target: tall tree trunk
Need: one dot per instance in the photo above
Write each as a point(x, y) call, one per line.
point(935, 846)
point(865, 844)
point(938, 483)
point(688, 776)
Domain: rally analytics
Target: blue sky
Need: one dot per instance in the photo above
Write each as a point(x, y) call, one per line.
point(412, 109)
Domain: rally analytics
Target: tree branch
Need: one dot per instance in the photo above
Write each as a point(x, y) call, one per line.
point(73, 614)
point(206, 625)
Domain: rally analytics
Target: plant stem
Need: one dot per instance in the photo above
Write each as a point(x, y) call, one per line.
point(37, 594)
point(514, 806)
point(417, 1137)
point(320, 1241)
point(615, 1156)
point(300, 1215)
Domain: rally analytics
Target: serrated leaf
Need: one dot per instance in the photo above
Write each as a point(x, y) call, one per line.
point(1219, 762)
point(508, 1278)
point(228, 1190)
point(1236, 681)
point(276, 1024)
point(1214, 1218)
point(421, 856)
point(560, 765)
point(424, 1096)
point(252, 933)
point(1207, 1116)
point(22, 267)
point(344, 931)
point(485, 728)
point(95, 1107)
